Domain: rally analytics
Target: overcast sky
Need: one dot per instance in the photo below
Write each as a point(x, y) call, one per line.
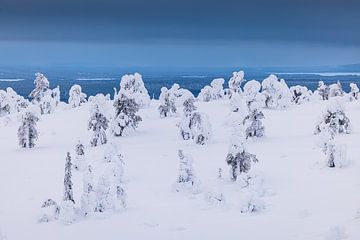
point(180, 33)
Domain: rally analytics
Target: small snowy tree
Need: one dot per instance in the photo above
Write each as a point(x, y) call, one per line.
point(41, 85)
point(79, 161)
point(68, 185)
point(323, 91)
point(189, 106)
point(206, 94)
point(55, 94)
point(4, 104)
point(98, 122)
point(133, 86)
point(186, 179)
point(50, 211)
point(47, 103)
point(104, 195)
point(336, 90)
point(200, 128)
point(167, 104)
point(238, 158)
point(217, 88)
point(354, 92)
point(67, 210)
point(27, 132)
point(115, 168)
point(300, 94)
point(126, 120)
point(276, 93)
point(76, 96)
point(235, 81)
point(254, 101)
point(88, 198)
point(334, 118)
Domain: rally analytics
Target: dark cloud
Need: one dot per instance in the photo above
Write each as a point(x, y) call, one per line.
point(325, 21)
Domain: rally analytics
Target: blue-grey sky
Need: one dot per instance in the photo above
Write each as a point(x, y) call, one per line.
point(185, 33)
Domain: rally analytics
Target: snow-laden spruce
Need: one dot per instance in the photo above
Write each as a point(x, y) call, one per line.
point(254, 101)
point(300, 94)
point(115, 167)
point(323, 91)
point(354, 92)
point(105, 195)
point(238, 158)
point(126, 119)
point(167, 106)
point(187, 179)
point(98, 122)
point(277, 93)
point(336, 90)
point(79, 161)
point(76, 96)
point(334, 118)
point(133, 86)
point(194, 125)
point(88, 197)
point(41, 86)
point(235, 81)
point(27, 132)
point(50, 211)
point(67, 208)
point(43, 96)
point(213, 92)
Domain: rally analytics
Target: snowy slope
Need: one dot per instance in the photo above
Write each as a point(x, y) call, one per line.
point(303, 198)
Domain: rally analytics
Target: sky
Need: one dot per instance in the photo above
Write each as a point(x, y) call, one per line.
point(187, 33)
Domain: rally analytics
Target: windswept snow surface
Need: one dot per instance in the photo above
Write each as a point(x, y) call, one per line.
point(303, 198)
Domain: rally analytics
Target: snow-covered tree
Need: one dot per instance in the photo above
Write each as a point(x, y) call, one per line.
point(334, 118)
point(189, 106)
point(76, 96)
point(50, 211)
point(68, 185)
point(217, 88)
point(300, 94)
point(4, 103)
point(276, 93)
point(126, 120)
point(27, 132)
point(41, 85)
point(200, 128)
point(133, 86)
point(206, 94)
point(47, 103)
point(98, 122)
point(238, 158)
point(336, 90)
point(187, 179)
point(323, 91)
point(255, 128)
point(167, 103)
point(67, 209)
point(354, 92)
point(235, 81)
point(79, 161)
point(88, 197)
point(194, 125)
point(104, 195)
point(115, 160)
point(55, 94)
point(254, 101)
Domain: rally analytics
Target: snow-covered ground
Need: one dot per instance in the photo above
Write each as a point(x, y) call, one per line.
point(304, 199)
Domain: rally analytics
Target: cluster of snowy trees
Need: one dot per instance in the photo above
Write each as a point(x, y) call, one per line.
point(104, 197)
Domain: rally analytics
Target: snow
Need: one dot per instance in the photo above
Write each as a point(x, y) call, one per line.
point(302, 197)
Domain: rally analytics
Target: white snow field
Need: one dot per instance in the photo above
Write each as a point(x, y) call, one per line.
point(304, 199)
